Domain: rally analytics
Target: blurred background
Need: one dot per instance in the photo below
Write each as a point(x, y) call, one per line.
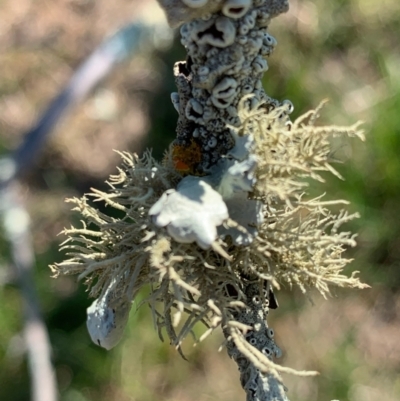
point(345, 50)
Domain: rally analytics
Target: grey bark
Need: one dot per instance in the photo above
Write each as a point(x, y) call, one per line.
point(227, 44)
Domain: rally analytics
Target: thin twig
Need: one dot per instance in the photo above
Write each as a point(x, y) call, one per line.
point(97, 66)
point(16, 224)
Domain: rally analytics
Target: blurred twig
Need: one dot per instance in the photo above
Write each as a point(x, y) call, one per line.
point(16, 225)
point(98, 65)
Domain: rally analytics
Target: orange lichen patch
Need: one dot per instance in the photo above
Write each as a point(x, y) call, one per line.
point(186, 158)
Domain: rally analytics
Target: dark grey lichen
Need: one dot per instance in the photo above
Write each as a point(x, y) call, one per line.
point(225, 62)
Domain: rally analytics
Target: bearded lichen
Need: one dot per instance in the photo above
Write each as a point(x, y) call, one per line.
point(298, 242)
point(209, 233)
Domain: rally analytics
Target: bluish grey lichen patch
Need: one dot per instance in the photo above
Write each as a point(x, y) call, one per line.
point(191, 213)
point(235, 176)
point(107, 318)
point(246, 215)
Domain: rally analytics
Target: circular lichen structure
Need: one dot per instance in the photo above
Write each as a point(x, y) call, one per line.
point(226, 59)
